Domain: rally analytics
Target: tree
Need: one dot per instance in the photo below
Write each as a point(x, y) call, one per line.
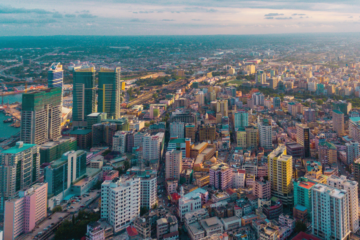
point(143, 210)
point(155, 96)
point(57, 208)
point(319, 102)
point(300, 226)
point(155, 206)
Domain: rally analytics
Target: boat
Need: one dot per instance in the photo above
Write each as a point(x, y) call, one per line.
point(9, 120)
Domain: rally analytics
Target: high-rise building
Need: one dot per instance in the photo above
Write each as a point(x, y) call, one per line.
point(257, 99)
point(94, 118)
point(327, 153)
point(56, 77)
point(241, 119)
point(207, 132)
point(173, 164)
point(309, 115)
point(352, 151)
point(53, 150)
point(354, 128)
point(303, 138)
point(223, 107)
point(280, 174)
point(188, 203)
point(338, 122)
point(152, 147)
point(177, 129)
point(356, 166)
point(276, 102)
point(262, 189)
point(330, 212)
point(265, 133)
point(119, 142)
point(109, 92)
point(252, 137)
point(41, 116)
point(190, 131)
point(19, 169)
point(200, 98)
point(260, 77)
point(120, 202)
point(351, 187)
point(221, 176)
point(83, 94)
point(24, 211)
point(302, 194)
point(241, 137)
point(343, 106)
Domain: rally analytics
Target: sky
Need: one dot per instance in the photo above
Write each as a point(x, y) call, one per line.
point(170, 17)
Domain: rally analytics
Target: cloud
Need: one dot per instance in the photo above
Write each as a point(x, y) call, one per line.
point(199, 9)
point(87, 15)
point(269, 17)
point(26, 21)
point(146, 12)
point(196, 20)
point(168, 20)
point(273, 14)
point(351, 17)
point(70, 15)
point(10, 10)
point(57, 15)
point(299, 14)
point(137, 20)
point(283, 18)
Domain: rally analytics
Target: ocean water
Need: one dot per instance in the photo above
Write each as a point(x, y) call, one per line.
point(5, 129)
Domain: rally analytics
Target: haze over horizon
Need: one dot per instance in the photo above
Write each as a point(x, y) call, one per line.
point(190, 17)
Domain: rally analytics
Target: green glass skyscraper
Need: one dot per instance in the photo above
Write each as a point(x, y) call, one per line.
point(109, 92)
point(83, 93)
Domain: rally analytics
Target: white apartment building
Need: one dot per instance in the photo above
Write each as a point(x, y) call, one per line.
point(119, 141)
point(177, 129)
point(312, 86)
point(151, 147)
point(265, 134)
point(138, 139)
point(188, 203)
point(148, 191)
point(352, 151)
point(239, 178)
point(354, 128)
point(120, 202)
point(330, 212)
point(173, 164)
point(352, 189)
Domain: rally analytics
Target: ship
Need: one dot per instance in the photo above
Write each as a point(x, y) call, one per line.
point(9, 120)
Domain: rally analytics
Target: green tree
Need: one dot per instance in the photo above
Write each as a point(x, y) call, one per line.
point(319, 102)
point(155, 96)
point(57, 208)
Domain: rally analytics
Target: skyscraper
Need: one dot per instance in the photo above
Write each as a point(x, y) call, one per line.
point(177, 129)
point(352, 151)
point(56, 77)
point(330, 213)
point(276, 102)
point(338, 122)
point(265, 133)
point(241, 119)
point(173, 164)
point(302, 193)
point(109, 92)
point(83, 94)
point(280, 174)
point(221, 176)
point(19, 169)
point(303, 138)
point(41, 116)
point(257, 99)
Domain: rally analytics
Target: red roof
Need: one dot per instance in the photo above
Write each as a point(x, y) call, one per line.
point(306, 185)
point(305, 236)
point(230, 191)
point(241, 171)
point(131, 231)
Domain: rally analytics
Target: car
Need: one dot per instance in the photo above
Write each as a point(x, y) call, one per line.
point(81, 206)
point(49, 218)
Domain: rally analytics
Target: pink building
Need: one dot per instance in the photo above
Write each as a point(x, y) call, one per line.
point(262, 171)
point(221, 176)
point(262, 189)
point(110, 175)
point(24, 212)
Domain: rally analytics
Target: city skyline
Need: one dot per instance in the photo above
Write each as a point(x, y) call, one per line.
point(172, 18)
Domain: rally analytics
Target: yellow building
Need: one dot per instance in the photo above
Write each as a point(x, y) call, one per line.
point(241, 138)
point(252, 137)
point(280, 174)
point(250, 69)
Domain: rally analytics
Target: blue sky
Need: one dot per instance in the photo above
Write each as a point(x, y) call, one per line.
point(169, 17)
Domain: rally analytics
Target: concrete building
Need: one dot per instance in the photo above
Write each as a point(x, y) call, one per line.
point(166, 225)
point(262, 189)
point(53, 150)
point(239, 179)
point(119, 142)
point(241, 137)
point(354, 128)
point(152, 147)
point(192, 219)
point(268, 233)
point(177, 129)
point(351, 187)
point(327, 153)
point(25, 211)
point(207, 133)
point(109, 92)
point(280, 174)
point(265, 133)
point(56, 77)
point(83, 94)
point(352, 151)
point(252, 137)
point(303, 138)
point(188, 203)
point(95, 231)
point(221, 176)
point(338, 122)
point(19, 169)
point(190, 131)
point(173, 164)
point(276, 102)
point(241, 119)
point(120, 202)
point(302, 194)
point(330, 211)
point(212, 226)
point(257, 99)
point(309, 115)
point(41, 116)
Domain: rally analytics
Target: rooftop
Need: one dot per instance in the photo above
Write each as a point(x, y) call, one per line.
point(80, 131)
point(307, 185)
point(338, 112)
point(19, 147)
